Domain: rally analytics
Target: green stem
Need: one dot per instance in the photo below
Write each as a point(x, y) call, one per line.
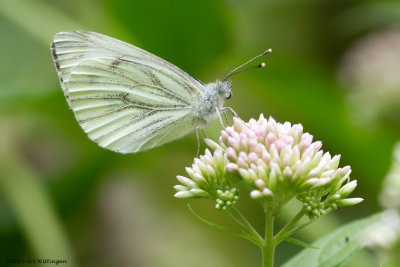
point(242, 221)
point(288, 226)
point(268, 250)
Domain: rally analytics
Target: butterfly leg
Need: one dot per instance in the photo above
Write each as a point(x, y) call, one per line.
point(198, 139)
point(224, 109)
point(233, 112)
point(230, 109)
point(219, 116)
point(204, 132)
point(198, 142)
point(226, 118)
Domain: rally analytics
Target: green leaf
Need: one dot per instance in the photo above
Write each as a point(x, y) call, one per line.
point(337, 247)
point(298, 228)
point(299, 243)
point(220, 227)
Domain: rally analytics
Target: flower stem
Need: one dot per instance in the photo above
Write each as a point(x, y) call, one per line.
point(288, 226)
point(268, 250)
point(244, 223)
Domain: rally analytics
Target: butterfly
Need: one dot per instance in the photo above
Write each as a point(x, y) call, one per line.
point(128, 100)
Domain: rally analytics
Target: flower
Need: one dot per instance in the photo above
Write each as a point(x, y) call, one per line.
point(208, 179)
point(279, 162)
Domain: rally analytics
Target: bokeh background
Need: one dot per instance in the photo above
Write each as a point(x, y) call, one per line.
point(335, 68)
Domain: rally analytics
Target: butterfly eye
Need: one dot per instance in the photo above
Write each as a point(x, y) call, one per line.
point(229, 96)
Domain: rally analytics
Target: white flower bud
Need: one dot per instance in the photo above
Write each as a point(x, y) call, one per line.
point(256, 194)
point(180, 188)
point(183, 194)
point(199, 192)
point(322, 181)
point(213, 145)
point(198, 178)
point(189, 171)
point(232, 167)
point(311, 182)
point(186, 181)
point(231, 154)
point(347, 189)
point(210, 170)
point(245, 174)
point(260, 183)
point(349, 201)
point(267, 192)
point(334, 162)
point(288, 172)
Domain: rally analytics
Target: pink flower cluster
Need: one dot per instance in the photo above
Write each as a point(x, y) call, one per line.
point(278, 160)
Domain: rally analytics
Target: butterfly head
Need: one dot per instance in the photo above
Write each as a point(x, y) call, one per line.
point(224, 89)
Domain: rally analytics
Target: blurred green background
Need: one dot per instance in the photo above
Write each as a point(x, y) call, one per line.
point(63, 197)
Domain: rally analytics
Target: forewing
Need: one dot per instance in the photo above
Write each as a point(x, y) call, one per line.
point(124, 102)
point(69, 48)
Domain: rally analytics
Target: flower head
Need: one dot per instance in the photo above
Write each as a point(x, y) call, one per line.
point(280, 162)
point(208, 179)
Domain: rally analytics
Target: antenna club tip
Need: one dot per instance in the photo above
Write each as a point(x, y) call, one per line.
point(266, 52)
point(262, 65)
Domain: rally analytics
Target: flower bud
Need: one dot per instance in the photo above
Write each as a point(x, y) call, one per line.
point(349, 201)
point(183, 194)
point(347, 189)
point(213, 145)
point(256, 194)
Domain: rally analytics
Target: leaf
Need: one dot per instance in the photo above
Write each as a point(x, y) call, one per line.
point(337, 247)
point(299, 243)
point(242, 235)
point(297, 228)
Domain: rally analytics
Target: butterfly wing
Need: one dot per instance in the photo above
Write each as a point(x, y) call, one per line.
point(126, 99)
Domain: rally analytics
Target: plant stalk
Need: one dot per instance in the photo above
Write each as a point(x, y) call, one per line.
point(288, 226)
point(268, 249)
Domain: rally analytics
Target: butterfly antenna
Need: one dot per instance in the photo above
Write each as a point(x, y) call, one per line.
point(262, 65)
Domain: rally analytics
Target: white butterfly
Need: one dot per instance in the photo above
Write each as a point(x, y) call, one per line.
point(129, 100)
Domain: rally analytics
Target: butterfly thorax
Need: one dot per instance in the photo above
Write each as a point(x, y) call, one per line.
point(214, 97)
